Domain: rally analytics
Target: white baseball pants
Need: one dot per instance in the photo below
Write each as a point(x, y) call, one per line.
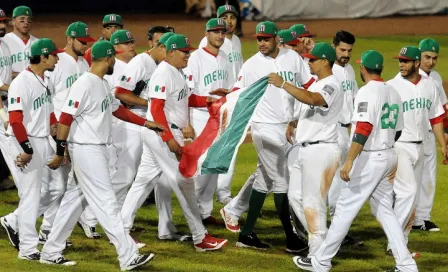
point(240, 203)
point(368, 181)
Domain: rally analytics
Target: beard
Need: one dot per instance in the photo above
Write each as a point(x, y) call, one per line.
point(344, 59)
point(410, 72)
point(2, 32)
point(110, 70)
point(362, 77)
point(77, 52)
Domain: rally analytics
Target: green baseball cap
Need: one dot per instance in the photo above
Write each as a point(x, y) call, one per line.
point(112, 19)
point(102, 49)
point(21, 11)
point(215, 24)
point(301, 31)
point(409, 53)
point(178, 42)
point(371, 59)
point(165, 37)
point(3, 15)
point(80, 31)
point(287, 37)
point(266, 29)
point(429, 45)
point(321, 50)
point(121, 36)
point(44, 46)
point(226, 9)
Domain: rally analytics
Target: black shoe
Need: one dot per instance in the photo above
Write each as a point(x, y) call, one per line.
point(427, 226)
point(138, 261)
point(32, 257)
point(90, 232)
point(295, 245)
point(351, 242)
point(43, 237)
point(12, 234)
point(395, 269)
point(303, 263)
point(251, 240)
point(59, 261)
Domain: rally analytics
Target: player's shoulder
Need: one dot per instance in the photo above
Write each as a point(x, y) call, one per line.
point(33, 38)
point(203, 42)
point(436, 76)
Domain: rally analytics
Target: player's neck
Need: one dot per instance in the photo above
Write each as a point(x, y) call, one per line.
point(21, 35)
point(274, 54)
point(37, 69)
point(323, 73)
point(70, 52)
point(415, 77)
point(426, 72)
point(229, 35)
point(98, 69)
point(340, 64)
point(211, 49)
point(123, 58)
point(372, 77)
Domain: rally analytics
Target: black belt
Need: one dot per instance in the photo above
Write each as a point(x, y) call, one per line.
point(310, 143)
point(173, 126)
point(414, 142)
point(344, 125)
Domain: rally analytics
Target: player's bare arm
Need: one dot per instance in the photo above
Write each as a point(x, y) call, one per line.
point(290, 131)
point(4, 87)
point(129, 98)
point(439, 133)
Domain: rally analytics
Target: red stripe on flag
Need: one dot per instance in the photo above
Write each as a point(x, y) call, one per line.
point(163, 89)
point(129, 79)
point(76, 104)
point(190, 77)
point(18, 99)
point(188, 164)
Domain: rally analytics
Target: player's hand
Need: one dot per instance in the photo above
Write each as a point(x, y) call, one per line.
point(53, 130)
point(188, 132)
point(345, 170)
point(290, 133)
point(393, 172)
point(6, 124)
point(221, 92)
point(175, 148)
point(275, 80)
point(445, 155)
point(66, 159)
point(210, 100)
point(308, 43)
point(22, 160)
point(56, 162)
point(154, 126)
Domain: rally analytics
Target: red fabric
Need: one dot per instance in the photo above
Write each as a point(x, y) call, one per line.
point(128, 116)
point(157, 106)
point(378, 79)
point(197, 101)
point(206, 50)
point(120, 90)
point(308, 84)
point(16, 122)
point(53, 119)
point(25, 41)
point(445, 120)
point(363, 128)
point(235, 89)
point(415, 83)
point(438, 119)
point(88, 56)
point(65, 119)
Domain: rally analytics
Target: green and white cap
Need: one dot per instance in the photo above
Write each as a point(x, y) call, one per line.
point(44, 46)
point(165, 37)
point(286, 36)
point(429, 45)
point(178, 42)
point(266, 29)
point(3, 15)
point(80, 31)
point(121, 36)
point(301, 31)
point(112, 19)
point(21, 11)
point(321, 50)
point(371, 59)
point(102, 49)
point(409, 53)
point(226, 9)
point(215, 24)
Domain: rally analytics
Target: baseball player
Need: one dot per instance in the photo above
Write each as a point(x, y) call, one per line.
point(70, 67)
point(368, 168)
point(89, 108)
point(430, 51)
point(111, 23)
point(170, 99)
point(305, 37)
point(319, 154)
point(31, 115)
point(208, 69)
point(268, 126)
point(421, 102)
point(20, 40)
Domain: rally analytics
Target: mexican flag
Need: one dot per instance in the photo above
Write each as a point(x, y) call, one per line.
point(160, 88)
point(73, 104)
point(214, 149)
point(14, 100)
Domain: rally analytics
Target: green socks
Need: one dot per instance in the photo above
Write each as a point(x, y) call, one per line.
point(282, 206)
point(256, 202)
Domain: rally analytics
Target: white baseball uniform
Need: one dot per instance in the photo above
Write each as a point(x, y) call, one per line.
point(91, 104)
point(5, 78)
point(233, 50)
point(167, 83)
point(428, 187)
point(20, 51)
point(206, 72)
point(346, 76)
point(379, 105)
point(318, 159)
point(421, 102)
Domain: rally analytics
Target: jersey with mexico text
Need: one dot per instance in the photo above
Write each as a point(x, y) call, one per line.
point(91, 104)
point(20, 51)
point(346, 76)
point(5, 66)
point(439, 84)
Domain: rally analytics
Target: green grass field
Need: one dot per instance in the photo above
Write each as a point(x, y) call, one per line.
point(99, 255)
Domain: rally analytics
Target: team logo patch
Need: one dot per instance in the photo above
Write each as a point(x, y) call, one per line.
point(15, 100)
point(109, 51)
point(403, 51)
point(2, 13)
point(128, 34)
point(124, 78)
point(306, 28)
point(187, 41)
point(73, 104)
point(44, 50)
point(362, 107)
point(328, 89)
point(160, 88)
point(87, 31)
point(261, 28)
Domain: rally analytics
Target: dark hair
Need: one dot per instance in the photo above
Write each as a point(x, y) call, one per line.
point(159, 29)
point(36, 59)
point(371, 71)
point(331, 63)
point(343, 36)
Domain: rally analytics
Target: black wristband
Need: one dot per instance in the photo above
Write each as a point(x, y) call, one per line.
point(26, 146)
point(60, 147)
point(359, 138)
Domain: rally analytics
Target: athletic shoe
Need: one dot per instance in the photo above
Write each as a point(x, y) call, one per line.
point(296, 245)
point(13, 236)
point(251, 240)
point(59, 261)
point(303, 263)
point(211, 220)
point(210, 243)
point(351, 242)
point(43, 237)
point(32, 257)
point(138, 261)
point(415, 255)
point(89, 231)
point(427, 226)
point(177, 237)
point(230, 221)
point(137, 243)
